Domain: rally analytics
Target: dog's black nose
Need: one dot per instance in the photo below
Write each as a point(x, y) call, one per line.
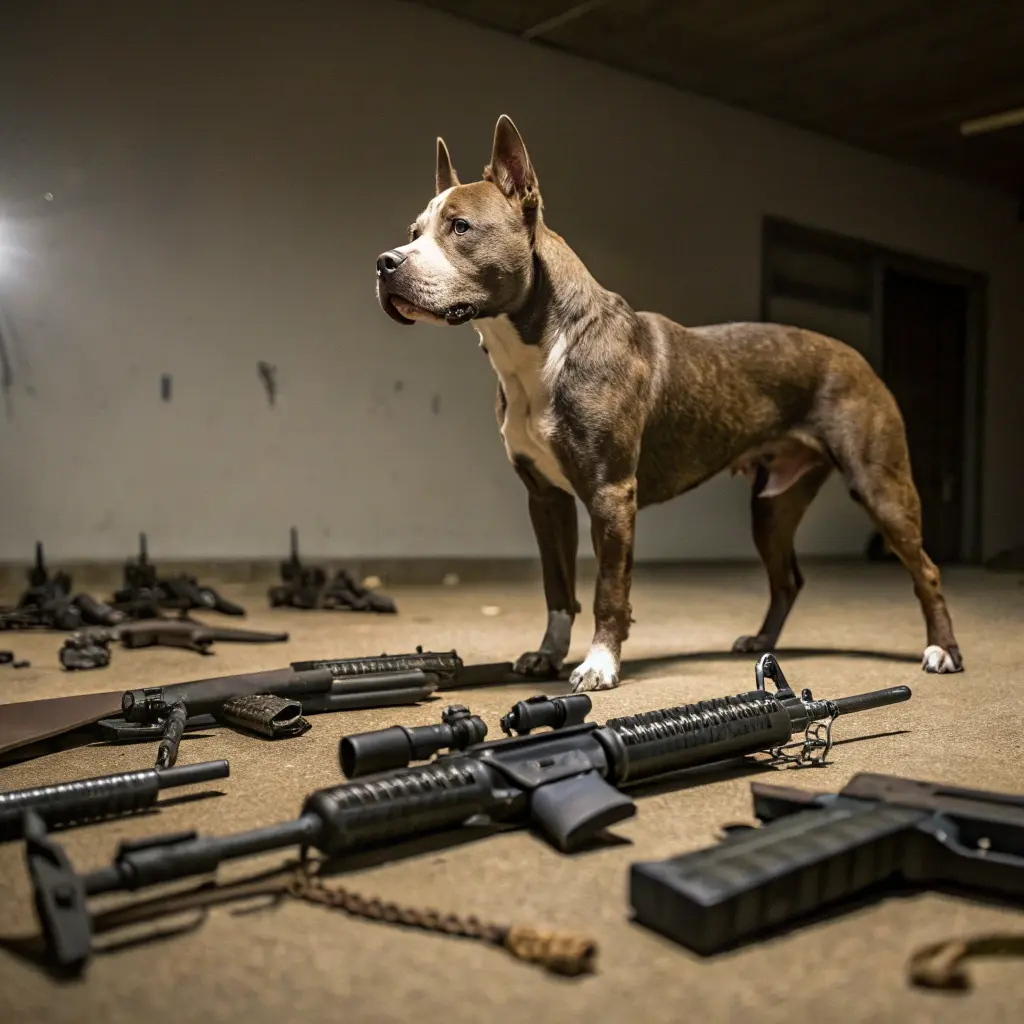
point(389, 262)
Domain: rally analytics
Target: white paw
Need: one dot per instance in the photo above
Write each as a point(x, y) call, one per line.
point(938, 660)
point(600, 671)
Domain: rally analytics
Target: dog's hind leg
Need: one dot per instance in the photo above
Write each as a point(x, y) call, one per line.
point(555, 525)
point(876, 464)
point(775, 522)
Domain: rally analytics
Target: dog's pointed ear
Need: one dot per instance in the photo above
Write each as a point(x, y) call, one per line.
point(510, 168)
point(445, 176)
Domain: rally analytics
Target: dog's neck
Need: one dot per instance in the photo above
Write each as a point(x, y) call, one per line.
point(559, 294)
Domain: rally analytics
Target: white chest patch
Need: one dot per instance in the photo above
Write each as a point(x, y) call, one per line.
point(525, 373)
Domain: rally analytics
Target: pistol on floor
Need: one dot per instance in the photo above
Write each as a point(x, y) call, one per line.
point(309, 587)
point(815, 850)
point(566, 782)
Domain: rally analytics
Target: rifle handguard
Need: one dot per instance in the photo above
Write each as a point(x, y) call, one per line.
point(426, 798)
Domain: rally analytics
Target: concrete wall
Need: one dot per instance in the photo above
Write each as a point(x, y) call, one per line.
point(222, 177)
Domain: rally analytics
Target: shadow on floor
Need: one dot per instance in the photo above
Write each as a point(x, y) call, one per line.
point(502, 673)
point(643, 666)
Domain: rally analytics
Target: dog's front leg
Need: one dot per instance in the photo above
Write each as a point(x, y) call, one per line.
point(555, 525)
point(612, 509)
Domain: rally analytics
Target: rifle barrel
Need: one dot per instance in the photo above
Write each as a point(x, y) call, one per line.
point(105, 796)
point(165, 858)
point(875, 699)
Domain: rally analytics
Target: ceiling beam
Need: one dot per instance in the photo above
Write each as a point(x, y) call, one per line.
point(558, 20)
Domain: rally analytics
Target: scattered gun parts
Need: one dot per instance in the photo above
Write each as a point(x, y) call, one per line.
point(816, 849)
point(564, 781)
point(144, 592)
point(48, 603)
point(90, 648)
point(309, 587)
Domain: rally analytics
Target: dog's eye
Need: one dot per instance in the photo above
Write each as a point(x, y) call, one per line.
point(460, 226)
point(414, 233)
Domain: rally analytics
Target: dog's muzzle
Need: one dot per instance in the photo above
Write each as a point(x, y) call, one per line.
point(387, 264)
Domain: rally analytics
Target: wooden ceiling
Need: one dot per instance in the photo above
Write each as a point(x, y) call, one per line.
point(897, 77)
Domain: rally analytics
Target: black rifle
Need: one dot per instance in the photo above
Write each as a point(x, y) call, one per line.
point(818, 849)
point(144, 592)
point(301, 585)
point(308, 587)
point(145, 712)
point(47, 603)
point(564, 782)
point(105, 796)
point(448, 668)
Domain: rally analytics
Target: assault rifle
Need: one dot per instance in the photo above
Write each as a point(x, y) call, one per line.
point(309, 587)
point(47, 603)
point(566, 782)
point(144, 592)
point(817, 849)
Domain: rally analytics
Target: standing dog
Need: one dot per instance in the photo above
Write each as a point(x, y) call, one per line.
point(624, 409)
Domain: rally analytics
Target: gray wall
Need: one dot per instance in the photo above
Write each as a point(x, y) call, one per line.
point(223, 176)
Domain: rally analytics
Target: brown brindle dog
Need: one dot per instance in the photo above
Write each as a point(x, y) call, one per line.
point(623, 409)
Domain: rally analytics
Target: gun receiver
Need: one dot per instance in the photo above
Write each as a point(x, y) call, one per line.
point(817, 849)
point(566, 782)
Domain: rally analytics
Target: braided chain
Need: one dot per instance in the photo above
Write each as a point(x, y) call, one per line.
point(558, 952)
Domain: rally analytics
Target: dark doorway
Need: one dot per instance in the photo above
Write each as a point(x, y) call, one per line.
point(924, 355)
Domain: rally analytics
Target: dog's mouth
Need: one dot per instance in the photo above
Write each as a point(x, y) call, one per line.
point(407, 313)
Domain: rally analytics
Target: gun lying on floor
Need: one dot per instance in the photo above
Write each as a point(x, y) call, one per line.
point(309, 587)
point(81, 801)
point(566, 782)
point(90, 648)
point(144, 592)
point(29, 724)
point(47, 603)
point(270, 703)
point(817, 849)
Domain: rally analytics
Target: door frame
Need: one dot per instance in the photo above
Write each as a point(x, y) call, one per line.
point(779, 230)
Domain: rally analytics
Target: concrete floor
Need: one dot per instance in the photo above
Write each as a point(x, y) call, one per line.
point(856, 628)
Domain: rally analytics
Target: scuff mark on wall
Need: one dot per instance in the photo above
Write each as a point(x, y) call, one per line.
point(268, 375)
point(165, 387)
point(435, 404)
point(6, 363)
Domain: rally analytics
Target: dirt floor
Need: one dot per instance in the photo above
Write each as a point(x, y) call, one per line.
point(855, 629)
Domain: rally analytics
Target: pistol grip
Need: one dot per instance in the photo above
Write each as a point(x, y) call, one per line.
point(572, 811)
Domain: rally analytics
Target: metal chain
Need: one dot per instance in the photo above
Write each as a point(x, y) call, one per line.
point(559, 952)
point(814, 746)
